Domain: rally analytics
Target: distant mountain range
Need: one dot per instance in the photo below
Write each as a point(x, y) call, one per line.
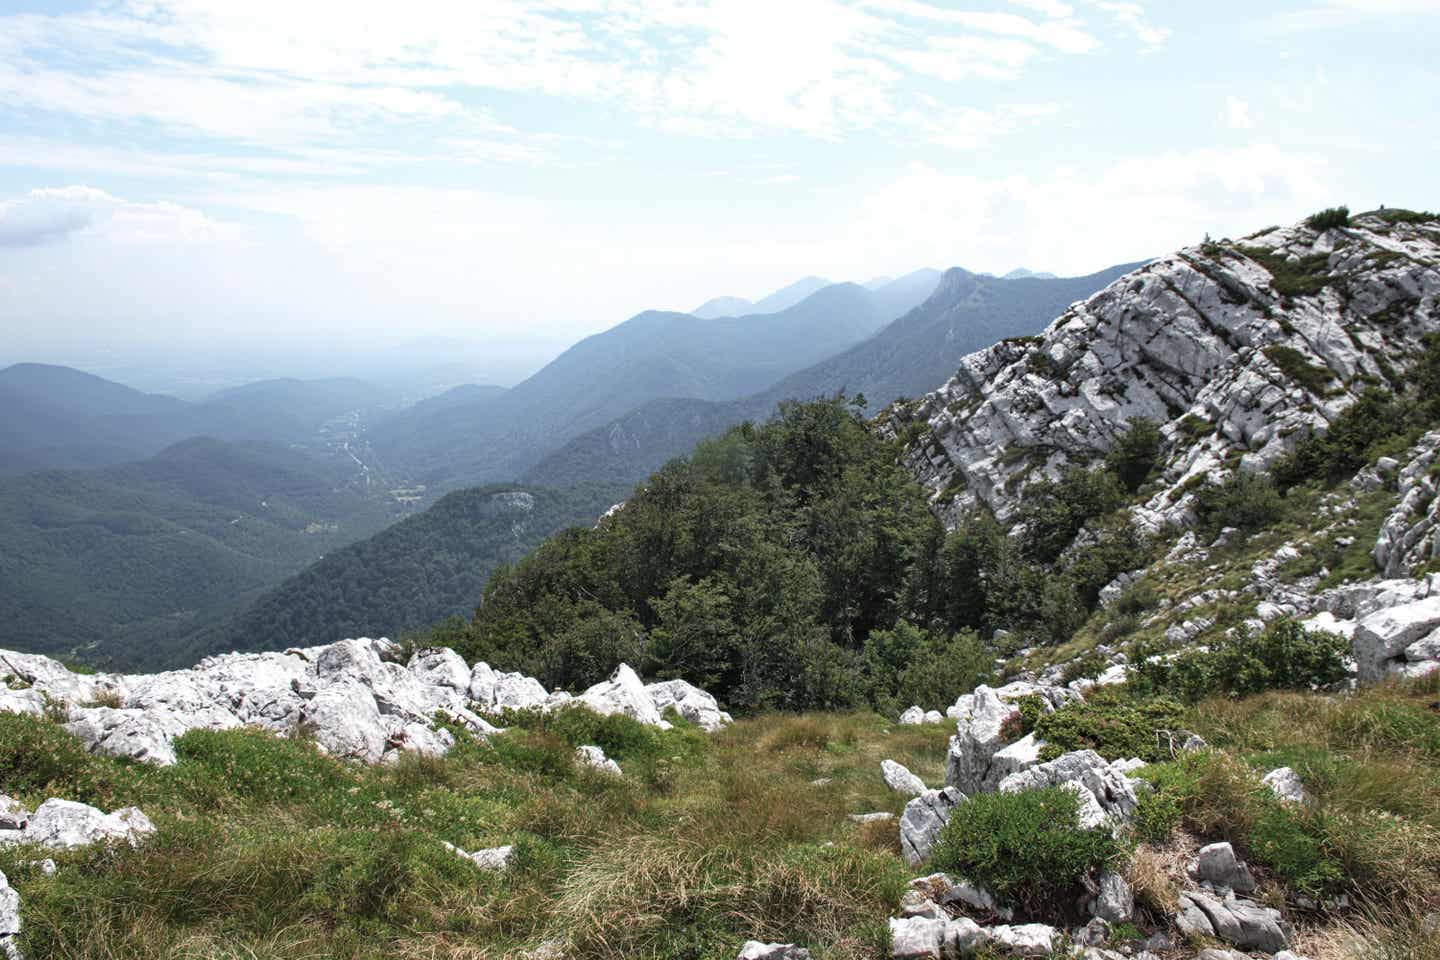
point(57, 417)
point(450, 442)
point(966, 312)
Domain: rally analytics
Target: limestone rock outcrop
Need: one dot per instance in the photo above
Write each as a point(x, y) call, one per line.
point(351, 697)
point(1234, 348)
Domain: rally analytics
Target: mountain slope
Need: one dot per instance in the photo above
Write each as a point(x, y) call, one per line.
point(1235, 348)
point(299, 407)
point(650, 356)
point(411, 575)
point(964, 313)
point(60, 417)
point(116, 559)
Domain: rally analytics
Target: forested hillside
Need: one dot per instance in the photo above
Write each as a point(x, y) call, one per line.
point(411, 575)
point(109, 562)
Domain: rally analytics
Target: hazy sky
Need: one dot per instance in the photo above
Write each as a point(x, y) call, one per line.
point(373, 171)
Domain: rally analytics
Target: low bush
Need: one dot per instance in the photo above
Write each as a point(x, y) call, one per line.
point(1283, 656)
point(1111, 724)
point(1293, 364)
point(1027, 848)
point(1329, 218)
point(1244, 500)
point(1134, 457)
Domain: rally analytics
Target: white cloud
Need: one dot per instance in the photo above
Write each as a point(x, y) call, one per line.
point(1132, 16)
point(1236, 114)
point(294, 78)
point(57, 214)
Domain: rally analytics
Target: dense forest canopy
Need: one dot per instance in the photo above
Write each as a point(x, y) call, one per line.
point(795, 564)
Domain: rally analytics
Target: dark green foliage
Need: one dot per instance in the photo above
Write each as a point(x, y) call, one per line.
point(1397, 215)
point(1246, 501)
point(1135, 454)
point(1283, 656)
point(1292, 842)
point(1053, 512)
point(757, 567)
point(1026, 848)
point(128, 563)
point(906, 665)
point(1112, 724)
point(1329, 218)
point(1303, 279)
point(622, 738)
point(1344, 449)
point(1314, 378)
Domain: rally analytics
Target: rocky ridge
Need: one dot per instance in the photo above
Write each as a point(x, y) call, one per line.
point(1234, 348)
point(350, 696)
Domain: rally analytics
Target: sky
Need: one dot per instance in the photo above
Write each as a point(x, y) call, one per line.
point(522, 173)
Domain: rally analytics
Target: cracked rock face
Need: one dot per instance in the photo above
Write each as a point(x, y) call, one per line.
point(355, 703)
point(922, 821)
point(1242, 923)
point(1232, 364)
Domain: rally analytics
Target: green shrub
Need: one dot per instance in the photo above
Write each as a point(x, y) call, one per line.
point(1026, 848)
point(907, 665)
point(1284, 656)
point(1292, 842)
point(1087, 667)
point(1054, 511)
point(1135, 453)
point(1373, 418)
point(1303, 279)
point(621, 737)
point(1244, 500)
point(1112, 725)
point(1292, 363)
point(1329, 218)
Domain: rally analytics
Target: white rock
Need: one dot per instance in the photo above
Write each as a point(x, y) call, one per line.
point(345, 722)
point(9, 909)
point(1025, 940)
point(64, 824)
point(755, 950)
point(1285, 784)
point(492, 859)
point(922, 821)
point(624, 694)
point(594, 758)
point(1218, 865)
point(688, 700)
point(441, 667)
point(1115, 902)
point(900, 780)
point(915, 715)
point(1113, 792)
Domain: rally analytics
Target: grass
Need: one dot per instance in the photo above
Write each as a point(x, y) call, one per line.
point(267, 848)
point(1292, 363)
point(1303, 279)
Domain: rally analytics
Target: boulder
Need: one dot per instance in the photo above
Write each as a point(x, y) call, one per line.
point(345, 721)
point(1241, 923)
point(1024, 940)
point(9, 909)
point(690, 702)
point(1112, 791)
point(913, 716)
point(900, 780)
point(1218, 866)
point(922, 821)
point(593, 758)
point(755, 950)
point(1115, 901)
point(441, 667)
point(1382, 636)
point(1285, 784)
point(979, 718)
point(869, 817)
point(913, 938)
point(64, 824)
point(624, 694)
